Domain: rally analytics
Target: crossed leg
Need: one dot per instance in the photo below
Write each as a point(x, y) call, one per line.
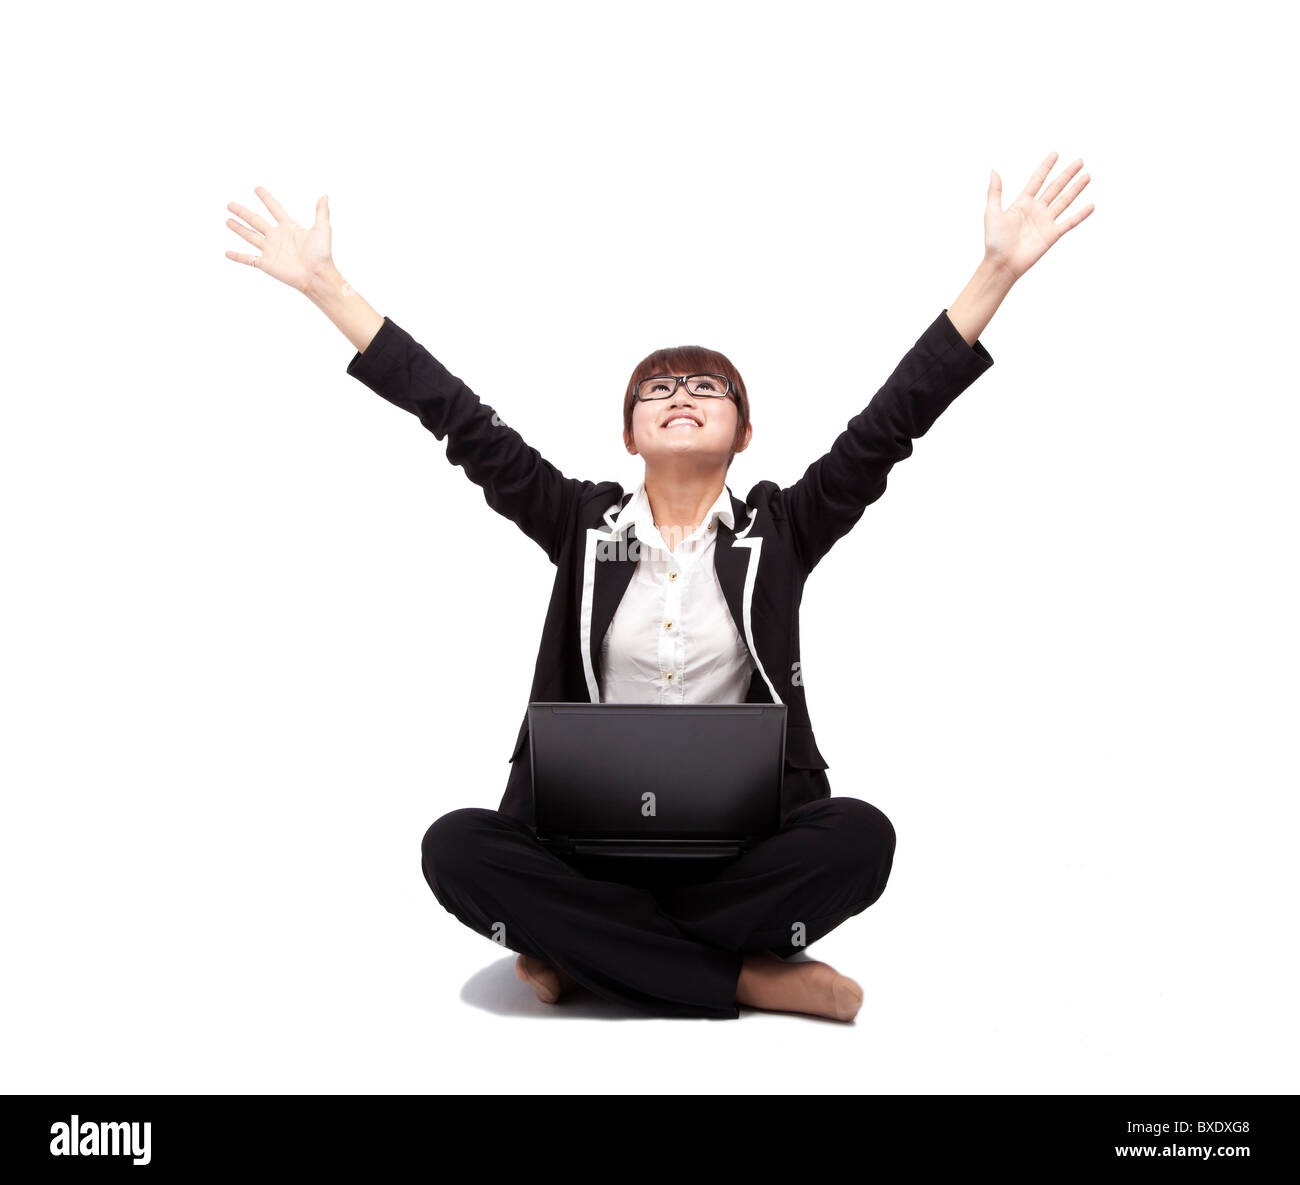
point(692, 948)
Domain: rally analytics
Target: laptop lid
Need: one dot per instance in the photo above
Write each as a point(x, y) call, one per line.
point(656, 773)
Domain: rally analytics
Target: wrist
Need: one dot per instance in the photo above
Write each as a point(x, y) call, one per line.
point(324, 283)
point(343, 304)
point(996, 273)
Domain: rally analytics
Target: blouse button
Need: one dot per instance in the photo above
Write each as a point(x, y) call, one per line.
point(672, 575)
point(668, 674)
point(668, 625)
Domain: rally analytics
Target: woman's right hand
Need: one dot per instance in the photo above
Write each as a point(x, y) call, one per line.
point(291, 253)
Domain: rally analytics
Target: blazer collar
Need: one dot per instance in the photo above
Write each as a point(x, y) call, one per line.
point(636, 512)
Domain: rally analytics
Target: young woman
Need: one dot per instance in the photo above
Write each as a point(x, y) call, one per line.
point(678, 592)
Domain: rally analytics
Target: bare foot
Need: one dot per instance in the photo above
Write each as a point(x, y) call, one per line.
point(548, 981)
point(769, 982)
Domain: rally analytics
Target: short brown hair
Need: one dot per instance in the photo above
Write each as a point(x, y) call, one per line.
point(689, 360)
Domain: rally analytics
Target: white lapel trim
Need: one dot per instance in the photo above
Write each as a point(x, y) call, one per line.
point(593, 538)
point(751, 574)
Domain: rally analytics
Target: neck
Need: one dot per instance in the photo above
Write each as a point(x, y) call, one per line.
point(680, 501)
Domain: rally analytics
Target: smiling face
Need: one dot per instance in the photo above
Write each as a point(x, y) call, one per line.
point(686, 427)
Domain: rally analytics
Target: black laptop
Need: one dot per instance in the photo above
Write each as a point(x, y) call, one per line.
point(656, 781)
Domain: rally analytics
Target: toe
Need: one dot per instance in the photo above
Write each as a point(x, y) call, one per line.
point(847, 996)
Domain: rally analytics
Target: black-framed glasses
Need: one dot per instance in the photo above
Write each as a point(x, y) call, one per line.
point(702, 386)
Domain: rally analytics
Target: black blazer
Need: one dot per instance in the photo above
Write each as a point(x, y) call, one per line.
point(780, 534)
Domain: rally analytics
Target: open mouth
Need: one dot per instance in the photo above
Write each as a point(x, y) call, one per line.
point(683, 420)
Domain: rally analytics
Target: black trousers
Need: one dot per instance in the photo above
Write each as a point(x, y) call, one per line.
point(669, 940)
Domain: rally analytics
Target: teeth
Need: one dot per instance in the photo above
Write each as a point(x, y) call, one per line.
point(681, 420)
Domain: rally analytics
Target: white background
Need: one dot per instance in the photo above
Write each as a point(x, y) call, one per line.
point(258, 633)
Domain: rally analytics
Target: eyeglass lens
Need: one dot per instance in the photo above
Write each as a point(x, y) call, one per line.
point(708, 386)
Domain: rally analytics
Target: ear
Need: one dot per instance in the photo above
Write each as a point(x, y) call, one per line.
point(628, 443)
point(749, 433)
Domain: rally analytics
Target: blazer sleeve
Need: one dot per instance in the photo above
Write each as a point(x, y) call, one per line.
point(517, 481)
point(824, 504)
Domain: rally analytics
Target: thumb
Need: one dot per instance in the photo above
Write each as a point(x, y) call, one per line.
point(995, 190)
point(323, 210)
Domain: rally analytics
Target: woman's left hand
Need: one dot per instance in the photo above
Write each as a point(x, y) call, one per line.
point(1017, 237)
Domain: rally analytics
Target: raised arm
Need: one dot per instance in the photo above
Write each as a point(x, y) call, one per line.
point(828, 500)
point(516, 480)
point(824, 504)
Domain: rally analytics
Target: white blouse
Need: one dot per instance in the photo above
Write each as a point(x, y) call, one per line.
point(672, 639)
